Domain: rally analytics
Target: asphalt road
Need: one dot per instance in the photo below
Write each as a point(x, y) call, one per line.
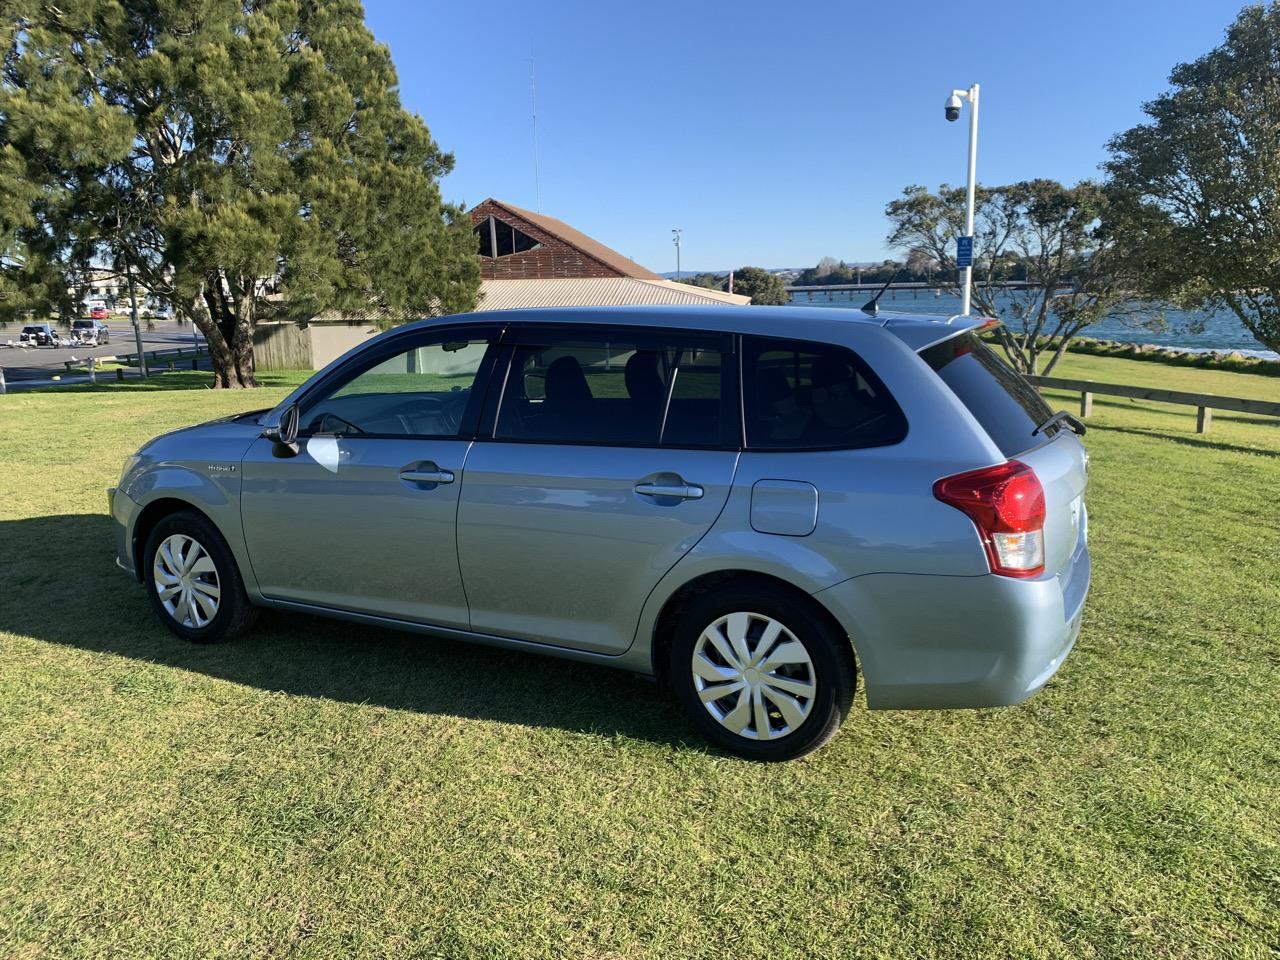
point(42, 363)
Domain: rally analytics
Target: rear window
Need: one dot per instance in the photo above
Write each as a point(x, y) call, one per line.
point(82, 324)
point(1006, 406)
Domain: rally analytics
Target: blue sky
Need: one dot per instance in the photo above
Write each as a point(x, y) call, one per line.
point(773, 134)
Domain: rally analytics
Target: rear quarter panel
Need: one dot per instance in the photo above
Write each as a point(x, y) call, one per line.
point(876, 509)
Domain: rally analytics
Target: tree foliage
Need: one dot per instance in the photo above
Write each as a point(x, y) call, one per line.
point(708, 281)
point(1053, 238)
point(757, 283)
point(217, 151)
point(918, 267)
point(1203, 179)
point(760, 285)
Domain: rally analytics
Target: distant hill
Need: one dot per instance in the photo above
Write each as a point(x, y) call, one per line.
point(671, 275)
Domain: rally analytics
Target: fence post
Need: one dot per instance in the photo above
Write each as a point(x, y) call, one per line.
point(1204, 418)
point(3, 388)
point(1086, 404)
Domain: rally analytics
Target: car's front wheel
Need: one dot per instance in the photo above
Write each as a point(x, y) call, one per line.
point(761, 673)
point(193, 581)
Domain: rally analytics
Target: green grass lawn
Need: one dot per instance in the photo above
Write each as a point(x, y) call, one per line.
point(323, 790)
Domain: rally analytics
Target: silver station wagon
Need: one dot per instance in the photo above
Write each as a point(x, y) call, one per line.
point(752, 504)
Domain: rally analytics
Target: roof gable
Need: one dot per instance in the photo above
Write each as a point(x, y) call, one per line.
point(579, 241)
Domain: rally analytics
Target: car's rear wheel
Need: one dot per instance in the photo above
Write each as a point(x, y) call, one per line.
point(761, 672)
point(193, 581)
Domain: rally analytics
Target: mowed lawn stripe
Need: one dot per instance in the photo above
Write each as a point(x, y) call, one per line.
point(320, 789)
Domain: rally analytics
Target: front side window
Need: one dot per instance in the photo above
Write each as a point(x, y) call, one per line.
point(620, 392)
point(422, 391)
point(801, 395)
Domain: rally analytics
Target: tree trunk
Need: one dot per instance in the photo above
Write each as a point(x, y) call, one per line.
point(229, 335)
point(1057, 355)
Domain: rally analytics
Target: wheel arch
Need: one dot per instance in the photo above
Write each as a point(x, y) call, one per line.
point(152, 514)
point(665, 624)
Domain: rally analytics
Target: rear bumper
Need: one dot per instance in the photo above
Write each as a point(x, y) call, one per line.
point(123, 511)
point(931, 642)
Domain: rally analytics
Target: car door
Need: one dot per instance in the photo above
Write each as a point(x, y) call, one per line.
point(606, 455)
point(363, 517)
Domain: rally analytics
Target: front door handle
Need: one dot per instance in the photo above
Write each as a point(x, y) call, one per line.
point(680, 491)
point(426, 473)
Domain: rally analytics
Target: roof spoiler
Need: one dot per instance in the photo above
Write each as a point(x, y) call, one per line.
point(920, 334)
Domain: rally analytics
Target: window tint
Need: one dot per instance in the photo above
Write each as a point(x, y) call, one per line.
point(423, 391)
point(800, 395)
point(612, 392)
point(1008, 407)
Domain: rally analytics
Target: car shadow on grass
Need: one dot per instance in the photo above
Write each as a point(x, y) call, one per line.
point(61, 586)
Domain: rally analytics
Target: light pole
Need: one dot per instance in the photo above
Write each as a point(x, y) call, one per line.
point(676, 231)
point(953, 113)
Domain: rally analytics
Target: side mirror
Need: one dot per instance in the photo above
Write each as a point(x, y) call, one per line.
point(284, 436)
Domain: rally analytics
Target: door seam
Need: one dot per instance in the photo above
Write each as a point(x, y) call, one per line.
point(635, 633)
point(457, 545)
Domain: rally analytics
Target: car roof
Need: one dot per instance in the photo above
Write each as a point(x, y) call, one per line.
point(916, 330)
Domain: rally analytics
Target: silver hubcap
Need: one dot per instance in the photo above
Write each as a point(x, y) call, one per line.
point(753, 676)
point(187, 581)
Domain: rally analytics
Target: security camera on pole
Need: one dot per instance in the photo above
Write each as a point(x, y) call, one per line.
point(964, 245)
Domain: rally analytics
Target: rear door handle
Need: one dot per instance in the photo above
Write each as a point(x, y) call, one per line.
point(680, 491)
point(426, 473)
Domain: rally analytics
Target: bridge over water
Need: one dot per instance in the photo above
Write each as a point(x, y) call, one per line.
point(912, 286)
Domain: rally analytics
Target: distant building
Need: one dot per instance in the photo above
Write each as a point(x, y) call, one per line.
point(528, 259)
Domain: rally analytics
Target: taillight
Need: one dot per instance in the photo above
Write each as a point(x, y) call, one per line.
point(1006, 504)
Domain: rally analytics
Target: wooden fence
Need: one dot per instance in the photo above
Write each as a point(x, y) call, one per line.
point(281, 346)
point(1205, 403)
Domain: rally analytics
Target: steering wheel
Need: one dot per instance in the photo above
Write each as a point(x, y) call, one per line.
point(444, 411)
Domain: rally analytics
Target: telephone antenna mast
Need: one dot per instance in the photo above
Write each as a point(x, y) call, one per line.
point(533, 100)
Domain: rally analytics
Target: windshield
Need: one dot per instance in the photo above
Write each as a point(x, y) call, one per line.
point(82, 324)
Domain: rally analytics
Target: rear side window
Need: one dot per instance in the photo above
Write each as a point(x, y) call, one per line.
point(801, 395)
point(1006, 406)
point(623, 391)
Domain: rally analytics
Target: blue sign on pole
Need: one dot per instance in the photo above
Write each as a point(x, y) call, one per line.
point(964, 252)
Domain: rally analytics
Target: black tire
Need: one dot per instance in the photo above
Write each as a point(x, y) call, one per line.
point(831, 670)
point(234, 615)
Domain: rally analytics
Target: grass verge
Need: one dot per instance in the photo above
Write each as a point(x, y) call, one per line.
point(323, 790)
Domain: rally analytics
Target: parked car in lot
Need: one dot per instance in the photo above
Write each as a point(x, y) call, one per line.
point(40, 334)
point(752, 504)
point(91, 332)
point(99, 313)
